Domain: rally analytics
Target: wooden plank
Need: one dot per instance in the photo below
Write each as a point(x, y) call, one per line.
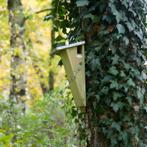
point(70, 46)
point(75, 69)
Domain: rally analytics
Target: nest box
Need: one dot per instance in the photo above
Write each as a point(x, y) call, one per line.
point(73, 58)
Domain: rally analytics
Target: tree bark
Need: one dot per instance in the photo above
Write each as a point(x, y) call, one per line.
point(51, 73)
point(18, 53)
point(39, 73)
point(51, 80)
point(95, 140)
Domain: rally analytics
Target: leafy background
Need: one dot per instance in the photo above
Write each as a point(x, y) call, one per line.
point(48, 120)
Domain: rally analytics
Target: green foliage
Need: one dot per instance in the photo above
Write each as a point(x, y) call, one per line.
point(48, 121)
point(115, 55)
point(44, 124)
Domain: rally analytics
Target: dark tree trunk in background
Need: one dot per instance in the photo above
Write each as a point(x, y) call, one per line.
point(51, 73)
point(18, 53)
point(51, 80)
point(39, 73)
point(38, 70)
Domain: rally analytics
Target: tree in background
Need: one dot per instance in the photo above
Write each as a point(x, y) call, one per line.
point(44, 122)
point(18, 50)
point(115, 73)
point(51, 73)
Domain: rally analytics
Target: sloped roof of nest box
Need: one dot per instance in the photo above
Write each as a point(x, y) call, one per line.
point(60, 48)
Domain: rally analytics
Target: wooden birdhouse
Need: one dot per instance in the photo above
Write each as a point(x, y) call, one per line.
point(74, 63)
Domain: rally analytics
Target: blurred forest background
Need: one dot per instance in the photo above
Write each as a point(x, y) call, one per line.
point(47, 120)
point(36, 105)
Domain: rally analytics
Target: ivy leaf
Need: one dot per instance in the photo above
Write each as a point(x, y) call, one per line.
point(81, 3)
point(89, 16)
point(125, 4)
point(95, 64)
point(115, 12)
point(106, 79)
point(127, 66)
point(124, 136)
point(131, 83)
point(116, 95)
point(126, 40)
point(144, 75)
point(129, 99)
point(140, 94)
point(145, 108)
point(116, 126)
point(122, 74)
point(133, 12)
point(115, 59)
point(113, 71)
point(139, 34)
point(130, 27)
point(114, 84)
point(117, 106)
point(120, 28)
point(105, 90)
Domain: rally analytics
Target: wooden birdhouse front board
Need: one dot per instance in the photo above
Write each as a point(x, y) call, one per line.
point(74, 62)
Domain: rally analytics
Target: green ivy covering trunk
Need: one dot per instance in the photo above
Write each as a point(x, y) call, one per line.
point(115, 36)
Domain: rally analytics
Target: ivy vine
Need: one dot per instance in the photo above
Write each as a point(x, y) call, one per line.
point(116, 50)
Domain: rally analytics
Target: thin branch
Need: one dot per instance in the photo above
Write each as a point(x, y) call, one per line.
point(38, 12)
point(44, 10)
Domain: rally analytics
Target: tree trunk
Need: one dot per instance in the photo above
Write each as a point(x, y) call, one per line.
point(51, 80)
point(115, 35)
point(39, 73)
point(51, 73)
point(18, 53)
point(100, 91)
point(95, 139)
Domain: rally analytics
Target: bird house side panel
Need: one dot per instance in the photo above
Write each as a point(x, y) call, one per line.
point(75, 69)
